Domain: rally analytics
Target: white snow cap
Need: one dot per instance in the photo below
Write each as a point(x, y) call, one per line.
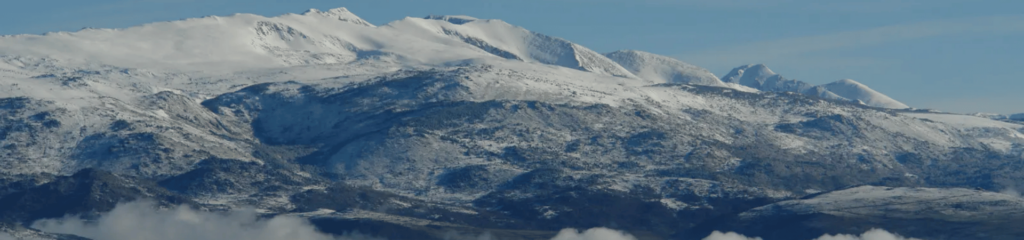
point(752, 75)
point(512, 42)
point(341, 13)
point(246, 41)
point(854, 90)
point(658, 68)
point(758, 76)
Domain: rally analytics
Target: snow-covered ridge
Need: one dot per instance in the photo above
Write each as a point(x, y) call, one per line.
point(342, 14)
point(966, 121)
point(243, 42)
point(336, 36)
point(516, 43)
point(995, 134)
point(758, 76)
point(1019, 117)
point(854, 90)
point(663, 69)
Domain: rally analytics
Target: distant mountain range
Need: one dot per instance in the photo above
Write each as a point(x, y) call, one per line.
point(758, 76)
point(427, 126)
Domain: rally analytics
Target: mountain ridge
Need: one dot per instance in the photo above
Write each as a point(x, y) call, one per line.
point(765, 79)
point(423, 126)
point(663, 69)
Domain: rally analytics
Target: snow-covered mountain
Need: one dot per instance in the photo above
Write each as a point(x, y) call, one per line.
point(663, 69)
point(758, 76)
point(511, 42)
point(245, 41)
point(854, 90)
point(425, 125)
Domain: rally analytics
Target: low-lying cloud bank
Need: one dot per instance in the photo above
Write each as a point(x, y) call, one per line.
point(143, 220)
point(592, 234)
point(873, 234)
point(609, 234)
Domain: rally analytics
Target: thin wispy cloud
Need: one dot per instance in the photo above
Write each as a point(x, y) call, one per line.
point(696, 3)
point(131, 4)
point(798, 46)
point(862, 6)
point(873, 234)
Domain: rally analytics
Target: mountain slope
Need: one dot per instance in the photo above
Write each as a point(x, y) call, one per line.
point(511, 42)
point(758, 76)
point(234, 42)
point(663, 69)
point(850, 89)
point(87, 192)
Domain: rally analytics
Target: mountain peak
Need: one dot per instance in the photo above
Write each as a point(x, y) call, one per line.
point(761, 69)
point(849, 82)
point(454, 19)
point(762, 78)
point(333, 11)
point(340, 13)
point(751, 75)
point(630, 51)
point(499, 38)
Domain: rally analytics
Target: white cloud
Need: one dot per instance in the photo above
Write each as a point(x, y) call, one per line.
point(873, 234)
point(1011, 192)
point(142, 220)
point(728, 236)
point(592, 234)
point(609, 234)
point(993, 24)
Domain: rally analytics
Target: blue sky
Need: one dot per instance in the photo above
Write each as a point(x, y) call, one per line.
point(951, 55)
